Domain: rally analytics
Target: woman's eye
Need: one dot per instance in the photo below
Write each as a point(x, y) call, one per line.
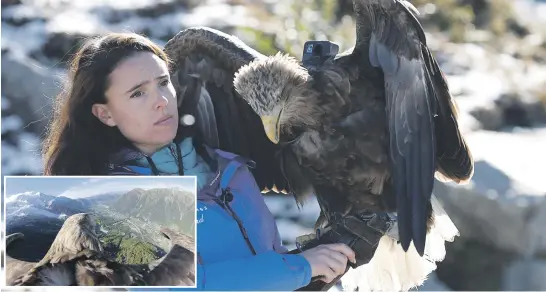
point(137, 94)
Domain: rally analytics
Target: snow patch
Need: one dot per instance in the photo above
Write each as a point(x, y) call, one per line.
point(6, 104)
point(11, 123)
point(518, 153)
point(29, 211)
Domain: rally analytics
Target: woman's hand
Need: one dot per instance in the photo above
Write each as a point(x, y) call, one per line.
point(329, 260)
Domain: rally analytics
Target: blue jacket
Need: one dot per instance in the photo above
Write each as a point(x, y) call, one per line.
point(226, 259)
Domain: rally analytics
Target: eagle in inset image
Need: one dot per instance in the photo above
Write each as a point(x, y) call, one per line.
point(368, 131)
point(76, 258)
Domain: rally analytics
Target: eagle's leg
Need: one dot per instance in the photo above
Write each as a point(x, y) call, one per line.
point(361, 231)
point(321, 220)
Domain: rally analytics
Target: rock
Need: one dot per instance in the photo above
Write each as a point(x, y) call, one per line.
point(481, 10)
point(433, 283)
point(152, 9)
point(517, 28)
point(29, 87)
point(489, 116)
point(500, 214)
point(110, 15)
point(165, 7)
point(514, 111)
point(19, 149)
point(11, 125)
point(20, 15)
point(61, 46)
point(23, 40)
point(7, 3)
point(526, 275)
point(510, 110)
point(21, 155)
point(285, 206)
point(473, 266)
point(502, 206)
point(519, 111)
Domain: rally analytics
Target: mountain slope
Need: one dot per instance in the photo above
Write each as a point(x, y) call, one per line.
point(165, 206)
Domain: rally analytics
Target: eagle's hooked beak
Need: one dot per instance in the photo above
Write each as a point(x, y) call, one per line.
point(272, 125)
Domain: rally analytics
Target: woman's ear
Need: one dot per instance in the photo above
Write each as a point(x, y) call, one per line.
point(103, 114)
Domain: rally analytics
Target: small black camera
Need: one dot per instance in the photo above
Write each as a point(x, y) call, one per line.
point(315, 53)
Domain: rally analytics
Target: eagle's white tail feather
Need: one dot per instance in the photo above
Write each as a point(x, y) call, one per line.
point(392, 269)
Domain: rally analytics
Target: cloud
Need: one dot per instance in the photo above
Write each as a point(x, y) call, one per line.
point(94, 180)
point(95, 187)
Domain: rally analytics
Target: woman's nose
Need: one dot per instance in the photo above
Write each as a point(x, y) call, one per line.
point(161, 100)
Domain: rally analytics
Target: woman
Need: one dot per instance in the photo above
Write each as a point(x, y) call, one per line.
point(118, 115)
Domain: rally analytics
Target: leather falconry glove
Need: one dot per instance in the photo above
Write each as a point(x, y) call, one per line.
point(361, 232)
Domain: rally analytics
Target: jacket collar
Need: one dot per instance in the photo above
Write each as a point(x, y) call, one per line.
point(131, 154)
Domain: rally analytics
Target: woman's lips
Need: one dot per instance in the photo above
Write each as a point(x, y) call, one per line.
point(164, 121)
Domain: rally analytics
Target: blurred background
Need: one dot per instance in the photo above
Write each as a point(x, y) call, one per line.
point(493, 53)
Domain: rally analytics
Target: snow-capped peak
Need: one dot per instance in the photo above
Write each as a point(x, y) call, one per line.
point(31, 197)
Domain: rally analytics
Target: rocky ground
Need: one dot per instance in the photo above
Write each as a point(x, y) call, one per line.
point(494, 60)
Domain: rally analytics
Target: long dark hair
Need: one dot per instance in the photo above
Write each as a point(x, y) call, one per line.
point(77, 142)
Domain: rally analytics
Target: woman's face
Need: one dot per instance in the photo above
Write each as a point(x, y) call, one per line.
point(141, 102)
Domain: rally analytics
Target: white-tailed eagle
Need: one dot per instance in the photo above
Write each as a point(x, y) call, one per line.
point(366, 132)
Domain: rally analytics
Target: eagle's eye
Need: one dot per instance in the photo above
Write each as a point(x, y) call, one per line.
point(291, 133)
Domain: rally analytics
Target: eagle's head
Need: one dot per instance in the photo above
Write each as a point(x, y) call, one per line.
point(76, 234)
point(278, 90)
point(85, 223)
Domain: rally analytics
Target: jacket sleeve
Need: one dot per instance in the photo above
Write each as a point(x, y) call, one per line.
point(266, 271)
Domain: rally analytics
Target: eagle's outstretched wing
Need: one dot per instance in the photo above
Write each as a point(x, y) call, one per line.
point(422, 119)
point(177, 267)
point(15, 267)
point(75, 240)
point(204, 63)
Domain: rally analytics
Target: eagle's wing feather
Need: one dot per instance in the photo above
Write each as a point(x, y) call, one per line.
point(15, 267)
point(177, 267)
point(421, 118)
point(204, 63)
point(99, 271)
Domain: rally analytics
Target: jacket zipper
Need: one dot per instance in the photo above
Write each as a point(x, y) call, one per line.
point(179, 163)
point(225, 205)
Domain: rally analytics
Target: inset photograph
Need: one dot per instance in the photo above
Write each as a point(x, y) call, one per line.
point(100, 231)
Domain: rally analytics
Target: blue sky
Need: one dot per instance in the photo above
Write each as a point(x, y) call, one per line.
point(80, 187)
